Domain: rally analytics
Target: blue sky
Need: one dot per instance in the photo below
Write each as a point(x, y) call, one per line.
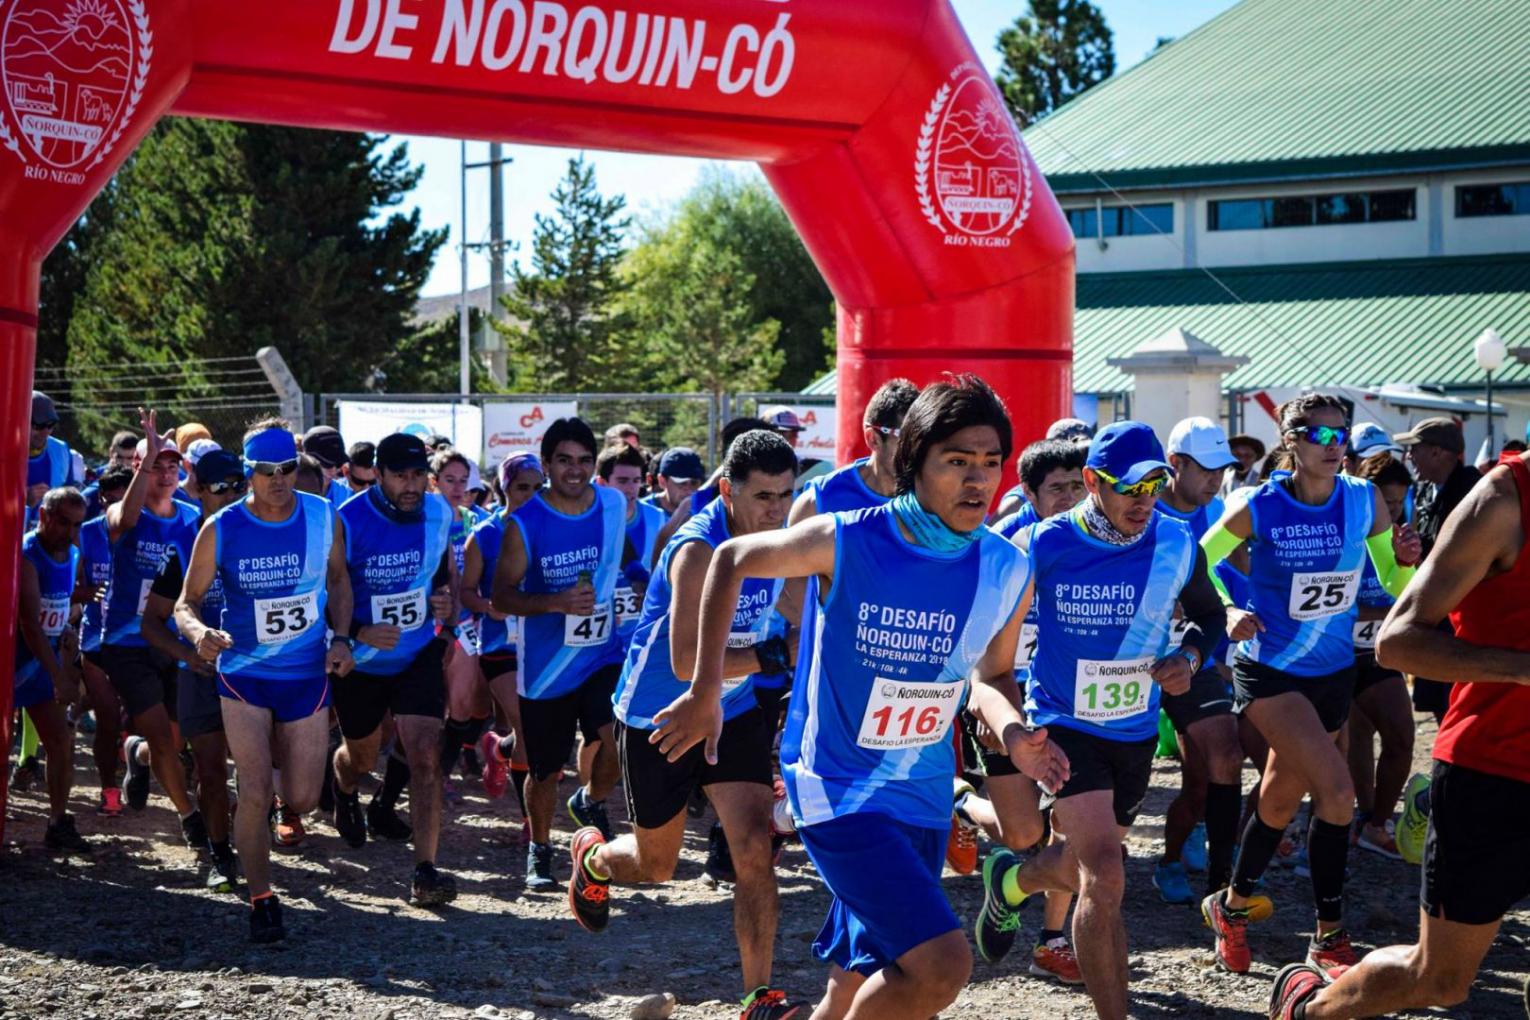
point(652, 182)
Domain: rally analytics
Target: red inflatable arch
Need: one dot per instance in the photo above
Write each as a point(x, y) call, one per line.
point(873, 120)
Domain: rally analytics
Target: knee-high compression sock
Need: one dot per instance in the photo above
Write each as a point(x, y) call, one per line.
point(454, 734)
point(518, 775)
point(29, 738)
point(395, 778)
point(1259, 845)
point(1224, 802)
point(1327, 853)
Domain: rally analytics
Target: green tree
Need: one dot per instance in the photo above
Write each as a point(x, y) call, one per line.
point(564, 323)
point(1052, 53)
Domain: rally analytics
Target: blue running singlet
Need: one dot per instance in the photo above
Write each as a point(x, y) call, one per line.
point(55, 584)
point(392, 566)
point(1372, 596)
point(96, 554)
point(558, 653)
point(642, 535)
point(1012, 525)
point(844, 490)
point(1305, 566)
point(883, 669)
point(494, 636)
point(648, 682)
point(136, 558)
point(274, 576)
point(1106, 614)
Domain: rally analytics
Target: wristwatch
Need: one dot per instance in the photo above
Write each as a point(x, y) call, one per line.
point(349, 642)
point(1193, 657)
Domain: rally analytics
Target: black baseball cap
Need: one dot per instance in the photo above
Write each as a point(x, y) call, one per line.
point(218, 466)
point(324, 445)
point(402, 452)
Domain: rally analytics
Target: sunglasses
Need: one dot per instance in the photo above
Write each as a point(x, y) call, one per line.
point(1322, 435)
point(233, 485)
point(270, 469)
point(886, 430)
point(1146, 487)
point(40, 425)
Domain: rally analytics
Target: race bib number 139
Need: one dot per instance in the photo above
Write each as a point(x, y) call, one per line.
point(1106, 690)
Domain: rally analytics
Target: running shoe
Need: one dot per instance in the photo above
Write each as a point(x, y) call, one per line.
point(135, 787)
point(266, 920)
point(539, 866)
point(1294, 987)
point(349, 820)
point(719, 865)
point(1414, 826)
point(286, 826)
point(589, 897)
point(432, 888)
point(111, 803)
point(1330, 950)
point(62, 835)
point(27, 775)
point(194, 829)
point(1056, 960)
point(87, 723)
point(1193, 855)
point(997, 923)
point(782, 825)
point(1231, 930)
point(383, 820)
point(1380, 841)
point(470, 766)
point(767, 1004)
point(962, 841)
point(449, 792)
point(223, 873)
point(696, 803)
point(585, 811)
point(1260, 908)
point(1172, 883)
point(496, 771)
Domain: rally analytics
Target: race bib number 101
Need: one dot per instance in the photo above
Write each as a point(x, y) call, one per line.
point(55, 614)
point(284, 619)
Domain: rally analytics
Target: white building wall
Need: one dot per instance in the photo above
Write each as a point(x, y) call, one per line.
point(1483, 235)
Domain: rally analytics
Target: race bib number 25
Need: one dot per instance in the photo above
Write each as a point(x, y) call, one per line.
point(1317, 596)
point(284, 619)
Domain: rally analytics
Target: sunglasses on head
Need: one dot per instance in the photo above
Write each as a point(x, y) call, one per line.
point(235, 485)
point(1322, 435)
point(886, 430)
point(270, 468)
point(1146, 487)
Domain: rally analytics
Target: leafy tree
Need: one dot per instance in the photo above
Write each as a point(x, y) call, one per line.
point(1052, 53)
point(563, 320)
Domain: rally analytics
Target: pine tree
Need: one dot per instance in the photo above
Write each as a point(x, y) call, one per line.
point(1051, 54)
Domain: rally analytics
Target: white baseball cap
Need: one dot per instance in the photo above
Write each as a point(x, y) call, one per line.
point(200, 448)
point(1370, 439)
point(1203, 441)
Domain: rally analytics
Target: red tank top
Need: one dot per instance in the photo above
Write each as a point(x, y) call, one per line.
point(1487, 726)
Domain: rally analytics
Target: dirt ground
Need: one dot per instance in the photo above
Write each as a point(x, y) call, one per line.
point(129, 932)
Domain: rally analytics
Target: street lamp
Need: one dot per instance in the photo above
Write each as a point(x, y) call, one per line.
point(1490, 352)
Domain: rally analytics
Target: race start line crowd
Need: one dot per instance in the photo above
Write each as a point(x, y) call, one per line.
point(870, 664)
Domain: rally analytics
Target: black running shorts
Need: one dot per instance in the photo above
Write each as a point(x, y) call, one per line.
point(1095, 763)
point(1475, 858)
point(1206, 697)
point(1330, 694)
point(657, 790)
point(550, 723)
point(362, 699)
point(141, 676)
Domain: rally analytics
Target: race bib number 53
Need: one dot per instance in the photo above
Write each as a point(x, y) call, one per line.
point(901, 714)
point(1105, 690)
point(588, 631)
point(284, 619)
point(1317, 596)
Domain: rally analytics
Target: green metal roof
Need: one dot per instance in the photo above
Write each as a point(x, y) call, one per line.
point(1337, 323)
point(1279, 89)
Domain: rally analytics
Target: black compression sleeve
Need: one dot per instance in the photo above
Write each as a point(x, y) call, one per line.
point(167, 582)
point(1203, 607)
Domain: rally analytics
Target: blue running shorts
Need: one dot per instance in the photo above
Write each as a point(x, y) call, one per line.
point(288, 700)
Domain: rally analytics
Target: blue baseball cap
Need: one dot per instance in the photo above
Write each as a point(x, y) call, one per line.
point(1127, 451)
point(682, 464)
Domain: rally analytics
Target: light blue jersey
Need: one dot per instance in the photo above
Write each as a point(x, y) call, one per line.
point(1012, 525)
point(884, 665)
point(844, 490)
point(1106, 614)
point(1199, 521)
point(55, 584)
point(648, 682)
point(275, 593)
point(494, 636)
point(337, 492)
point(1306, 563)
point(393, 566)
point(1372, 596)
point(136, 558)
point(642, 536)
point(96, 555)
point(559, 653)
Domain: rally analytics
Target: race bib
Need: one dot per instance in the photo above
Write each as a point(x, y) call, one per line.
point(1025, 651)
point(54, 615)
point(1178, 630)
point(404, 610)
point(902, 714)
point(468, 637)
point(285, 619)
point(1317, 596)
point(1105, 690)
point(738, 639)
point(588, 631)
point(629, 605)
point(143, 596)
point(1365, 635)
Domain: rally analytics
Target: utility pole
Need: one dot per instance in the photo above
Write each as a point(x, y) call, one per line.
point(491, 344)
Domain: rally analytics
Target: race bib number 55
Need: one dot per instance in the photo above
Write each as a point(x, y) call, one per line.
point(1105, 690)
point(284, 619)
point(404, 610)
point(900, 714)
point(1317, 596)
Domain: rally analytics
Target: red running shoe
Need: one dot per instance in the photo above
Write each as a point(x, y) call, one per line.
point(588, 897)
point(1294, 987)
point(1331, 951)
point(1231, 930)
point(496, 771)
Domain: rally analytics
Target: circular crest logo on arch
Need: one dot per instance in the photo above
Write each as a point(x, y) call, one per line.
point(971, 173)
point(73, 72)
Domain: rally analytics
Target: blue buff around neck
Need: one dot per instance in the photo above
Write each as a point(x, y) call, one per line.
point(928, 529)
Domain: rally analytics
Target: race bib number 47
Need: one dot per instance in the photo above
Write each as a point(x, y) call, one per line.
point(588, 631)
point(284, 619)
point(1365, 635)
point(1318, 596)
point(900, 714)
point(1105, 690)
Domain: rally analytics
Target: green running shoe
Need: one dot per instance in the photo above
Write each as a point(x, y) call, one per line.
point(998, 923)
point(1413, 827)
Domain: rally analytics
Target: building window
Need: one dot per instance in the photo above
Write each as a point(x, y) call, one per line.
point(1493, 200)
point(1122, 220)
point(1311, 210)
